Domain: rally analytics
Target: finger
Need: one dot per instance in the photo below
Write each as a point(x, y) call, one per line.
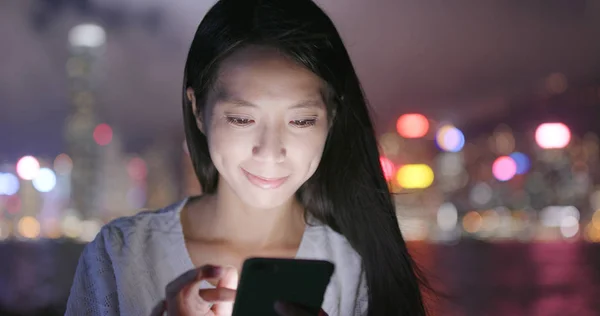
point(175, 286)
point(182, 293)
point(229, 278)
point(190, 294)
point(229, 281)
point(217, 296)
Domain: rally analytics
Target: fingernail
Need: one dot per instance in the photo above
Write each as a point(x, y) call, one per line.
point(211, 271)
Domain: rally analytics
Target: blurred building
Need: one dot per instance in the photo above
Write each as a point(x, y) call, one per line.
point(82, 133)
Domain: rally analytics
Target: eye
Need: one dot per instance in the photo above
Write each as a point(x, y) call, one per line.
point(304, 123)
point(239, 121)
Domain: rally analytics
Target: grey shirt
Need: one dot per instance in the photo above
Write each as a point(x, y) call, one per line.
point(126, 269)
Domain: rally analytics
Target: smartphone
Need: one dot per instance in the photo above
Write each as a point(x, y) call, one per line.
point(264, 281)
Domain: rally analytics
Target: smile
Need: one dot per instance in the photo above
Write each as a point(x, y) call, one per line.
point(264, 183)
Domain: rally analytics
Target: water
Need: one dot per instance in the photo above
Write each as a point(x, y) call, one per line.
point(513, 279)
point(531, 279)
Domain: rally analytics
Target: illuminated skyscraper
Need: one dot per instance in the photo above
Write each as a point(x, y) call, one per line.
point(86, 45)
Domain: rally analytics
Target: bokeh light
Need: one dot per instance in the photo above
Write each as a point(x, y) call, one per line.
point(388, 168)
point(596, 219)
point(481, 194)
point(504, 168)
point(9, 184)
point(552, 135)
point(103, 134)
point(28, 167)
point(447, 217)
point(63, 164)
point(450, 138)
point(569, 226)
point(45, 180)
point(412, 125)
point(71, 226)
point(417, 176)
point(472, 222)
point(29, 227)
point(137, 169)
point(522, 161)
point(490, 220)
point(87, 35)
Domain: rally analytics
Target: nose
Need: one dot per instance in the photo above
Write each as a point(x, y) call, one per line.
point(270, 147)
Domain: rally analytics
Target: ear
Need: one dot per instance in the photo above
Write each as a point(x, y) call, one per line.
point(198, 114)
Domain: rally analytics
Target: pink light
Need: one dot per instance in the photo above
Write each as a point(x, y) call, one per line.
point(553, 135)
point(137, 169)
point(388, 167)
point(504, 168)
point(103, 134)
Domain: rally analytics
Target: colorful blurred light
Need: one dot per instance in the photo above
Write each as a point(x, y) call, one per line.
point(63, 164)
point(412, 125)
point(450, 138)
point(45, 180)
point(103, 134)
point(472, 222)
point(137, 170)
point(553, 135)
point(9, 184)
point(522, 161)
point(504, 168)
point(388, 167)
point(29, 227)
point(28, 167)
point(415, 176)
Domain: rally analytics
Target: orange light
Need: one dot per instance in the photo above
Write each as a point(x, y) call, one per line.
point(412, 125)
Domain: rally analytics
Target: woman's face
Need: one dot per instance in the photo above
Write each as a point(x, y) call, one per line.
point(266, 123)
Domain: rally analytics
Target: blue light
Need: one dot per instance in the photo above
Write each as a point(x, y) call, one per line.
point(522, 161)
point(450, 139)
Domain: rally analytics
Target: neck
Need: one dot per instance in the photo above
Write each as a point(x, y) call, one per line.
point(233, 221)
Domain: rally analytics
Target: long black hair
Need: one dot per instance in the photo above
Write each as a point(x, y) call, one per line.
point(348, 191)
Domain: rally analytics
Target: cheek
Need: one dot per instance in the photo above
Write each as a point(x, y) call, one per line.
point(308, 150)
point(228, 145)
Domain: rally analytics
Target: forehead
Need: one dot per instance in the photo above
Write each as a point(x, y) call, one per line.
point(258, 73)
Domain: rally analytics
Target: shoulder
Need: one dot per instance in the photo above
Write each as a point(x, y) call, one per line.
point(136, 232)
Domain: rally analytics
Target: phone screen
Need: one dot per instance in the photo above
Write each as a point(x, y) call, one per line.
point(264, 281)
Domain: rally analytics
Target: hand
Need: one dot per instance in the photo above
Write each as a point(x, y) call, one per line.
point(291, 309)
point(185, 298)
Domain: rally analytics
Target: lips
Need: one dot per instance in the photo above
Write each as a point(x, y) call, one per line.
point(264, 183)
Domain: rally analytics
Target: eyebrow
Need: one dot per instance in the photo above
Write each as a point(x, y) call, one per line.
point(225, 97)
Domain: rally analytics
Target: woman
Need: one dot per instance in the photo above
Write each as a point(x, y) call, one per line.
point(281, 141)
